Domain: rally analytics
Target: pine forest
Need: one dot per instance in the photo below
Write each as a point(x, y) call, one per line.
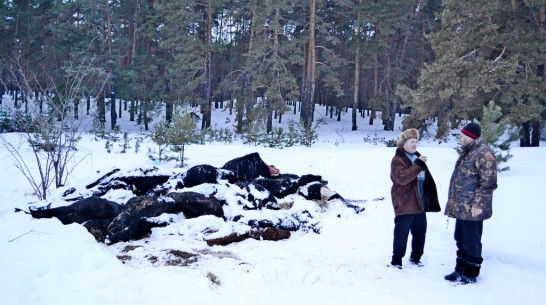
point(438, 62)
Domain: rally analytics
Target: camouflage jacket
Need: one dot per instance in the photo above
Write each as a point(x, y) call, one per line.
point(473, 182)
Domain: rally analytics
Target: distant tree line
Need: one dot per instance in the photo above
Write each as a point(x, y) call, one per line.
point(435, 60)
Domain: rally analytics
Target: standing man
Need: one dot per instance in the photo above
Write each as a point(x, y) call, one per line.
point(413, 193)
point(470, 202)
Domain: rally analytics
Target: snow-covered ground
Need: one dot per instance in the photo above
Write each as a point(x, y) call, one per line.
point(46, 262)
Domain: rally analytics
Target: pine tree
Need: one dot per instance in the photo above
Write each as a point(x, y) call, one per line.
point(272, 52)
point(187, 29)
point(485, 50)
point(183, 132)
point(493, 128)
point(159, 136)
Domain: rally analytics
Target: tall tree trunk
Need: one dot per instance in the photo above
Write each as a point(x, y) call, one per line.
point(524, 138)
point(375, 82)
point(144, 114)
point(120, 109)
point(101, 109)
point(135, 27)
point(113, 114)
point(40, 104)
point(2, 88)
point(542, 27)
point(76, 107)
point(206, 109)
point(422, 50)
point(309, 77)
point(535, 134)
point(246, 92)
point(169, 106)
point(357, 71)
point(269, 126)
point(390, 107)
point(25, 101)
point(132, 108)
point(400, 61)
point(108, 27)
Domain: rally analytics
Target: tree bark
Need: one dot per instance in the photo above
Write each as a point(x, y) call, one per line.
point(269, 126)
point(101, 108)
point(535, 134)
point(206, 110)
point(135, 27)
point(120, 110)
point(113, 114)
point(375, 82)
point(132, 109)
point(357, 72)
point(390, 107)
point(524, 138)
point(309, 77)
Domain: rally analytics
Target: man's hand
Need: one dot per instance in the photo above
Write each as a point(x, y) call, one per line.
point(475, 211)
point(423, 158)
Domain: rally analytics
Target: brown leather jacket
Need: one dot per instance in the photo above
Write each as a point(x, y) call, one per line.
point(405, 187)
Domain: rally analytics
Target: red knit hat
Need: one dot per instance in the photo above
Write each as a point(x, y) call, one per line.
point(472, 130)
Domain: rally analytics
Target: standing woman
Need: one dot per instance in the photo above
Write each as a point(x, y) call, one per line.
point(413, 193)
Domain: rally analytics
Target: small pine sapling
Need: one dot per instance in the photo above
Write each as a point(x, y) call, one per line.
point(493, 128)
point(182, 133)
point(159, 136)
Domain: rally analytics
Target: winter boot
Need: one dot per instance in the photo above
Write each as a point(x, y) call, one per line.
point(460, 265)
point(471, 272)
point(417, 263)
point(460, 278)
point(467, 279)
point(455, 276)
point(396, 262)
point(465, 273)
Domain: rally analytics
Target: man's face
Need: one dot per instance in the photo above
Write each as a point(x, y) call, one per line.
point(410, 145)
point(465, 140)
point(273, 171)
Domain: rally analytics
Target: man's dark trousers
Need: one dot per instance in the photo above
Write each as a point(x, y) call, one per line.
point(468, 235)
point(403, 225)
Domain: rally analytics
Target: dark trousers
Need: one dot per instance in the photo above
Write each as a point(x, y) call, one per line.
point(403, 225)
point(468, 236)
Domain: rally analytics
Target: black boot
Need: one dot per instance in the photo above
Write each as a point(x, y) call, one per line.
point(465, 273)
point(467, 279)
point(455, 276)
point(460, 278)
point(396, 262)
point(471, 272)
point(416, 262)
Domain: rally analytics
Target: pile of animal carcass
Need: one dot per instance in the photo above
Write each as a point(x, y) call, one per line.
point(126, 205)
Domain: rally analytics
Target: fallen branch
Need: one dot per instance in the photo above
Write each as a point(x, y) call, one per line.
point(31, 231)
point(351, 203)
